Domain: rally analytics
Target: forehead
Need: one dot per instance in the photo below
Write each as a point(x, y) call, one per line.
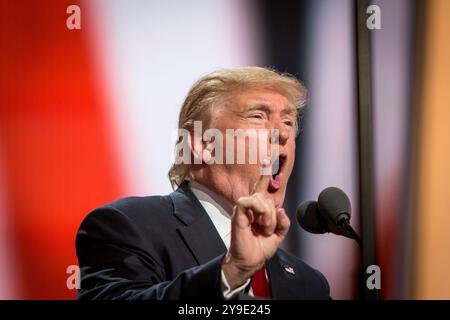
point(269, 98)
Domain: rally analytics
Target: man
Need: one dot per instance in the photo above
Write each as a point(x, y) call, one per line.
point(216, 236)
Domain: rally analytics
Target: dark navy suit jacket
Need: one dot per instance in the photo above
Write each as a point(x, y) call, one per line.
point(166, 247)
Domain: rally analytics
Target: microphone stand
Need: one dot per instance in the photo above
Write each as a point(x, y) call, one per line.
point(347, 231)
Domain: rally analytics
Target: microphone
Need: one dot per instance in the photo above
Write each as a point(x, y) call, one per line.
point(331, 213)
point(309, 218)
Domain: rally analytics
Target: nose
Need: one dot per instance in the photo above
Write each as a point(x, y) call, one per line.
point(283, 133)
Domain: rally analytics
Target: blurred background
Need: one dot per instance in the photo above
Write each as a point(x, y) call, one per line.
point(87, 116)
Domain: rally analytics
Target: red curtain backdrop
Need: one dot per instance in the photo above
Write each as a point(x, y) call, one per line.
point(58, 157)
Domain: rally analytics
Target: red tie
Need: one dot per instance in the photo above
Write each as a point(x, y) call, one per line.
point(260, 286)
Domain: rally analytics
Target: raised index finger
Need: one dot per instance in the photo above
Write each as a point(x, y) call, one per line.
point(263, 182)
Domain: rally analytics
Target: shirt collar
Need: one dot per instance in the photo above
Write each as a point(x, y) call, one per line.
point(217, 207)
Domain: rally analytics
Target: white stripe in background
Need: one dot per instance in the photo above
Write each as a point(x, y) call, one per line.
point(331, 155)
point(151, 53)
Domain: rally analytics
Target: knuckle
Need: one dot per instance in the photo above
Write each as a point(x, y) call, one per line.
point(257, 195)
point(241, 201)
point(288, 222)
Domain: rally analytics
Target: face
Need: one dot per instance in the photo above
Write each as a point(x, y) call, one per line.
point(258, 109)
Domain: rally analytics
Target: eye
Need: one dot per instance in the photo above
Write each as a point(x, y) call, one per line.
point(289, 123)
point(257, 115)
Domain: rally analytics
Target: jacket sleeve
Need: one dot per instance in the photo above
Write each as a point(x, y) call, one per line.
point(115, 265)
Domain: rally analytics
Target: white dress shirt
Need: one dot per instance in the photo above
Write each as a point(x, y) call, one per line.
point(219, 211)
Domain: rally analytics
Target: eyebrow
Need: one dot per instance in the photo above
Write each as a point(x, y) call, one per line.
point(258, 106)
point(267, 108)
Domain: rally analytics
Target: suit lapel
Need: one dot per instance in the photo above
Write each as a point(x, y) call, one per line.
point(284, 279)
point(198, 232)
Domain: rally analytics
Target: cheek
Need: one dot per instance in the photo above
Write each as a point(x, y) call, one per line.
point(291, 152)
point(242, 173)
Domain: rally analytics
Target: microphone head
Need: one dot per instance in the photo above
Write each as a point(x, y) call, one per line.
point(334, 205)
point(309, 218)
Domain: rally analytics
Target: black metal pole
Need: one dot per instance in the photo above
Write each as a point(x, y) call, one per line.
point(365, 135)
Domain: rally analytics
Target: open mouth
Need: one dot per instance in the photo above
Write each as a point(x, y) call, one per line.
point(278, 165)
point(277, 173)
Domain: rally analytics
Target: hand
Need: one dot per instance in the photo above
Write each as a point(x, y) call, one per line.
point(257, 229)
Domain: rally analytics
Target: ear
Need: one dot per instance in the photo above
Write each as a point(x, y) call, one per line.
point(207, 154)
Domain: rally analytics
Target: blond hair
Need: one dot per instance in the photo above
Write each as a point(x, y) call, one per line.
point(213, 88)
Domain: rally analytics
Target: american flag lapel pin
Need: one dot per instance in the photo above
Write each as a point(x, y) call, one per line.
point(289, 269)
